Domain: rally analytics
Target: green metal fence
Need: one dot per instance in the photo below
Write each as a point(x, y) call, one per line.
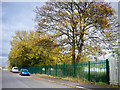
point(91, 70)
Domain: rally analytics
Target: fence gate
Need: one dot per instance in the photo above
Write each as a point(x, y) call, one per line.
point(114, 72)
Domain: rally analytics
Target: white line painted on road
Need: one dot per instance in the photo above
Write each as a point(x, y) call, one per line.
point(83, 88)
point(79, 87)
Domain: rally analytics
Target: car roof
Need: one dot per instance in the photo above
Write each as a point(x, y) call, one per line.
point(15, 67)
point(24, 69)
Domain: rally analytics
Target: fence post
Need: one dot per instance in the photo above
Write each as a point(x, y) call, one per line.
point(41, 69)
point(56, 69)
point(74, 69)
point(64, 70)
point(107, 71)
point(88, 70)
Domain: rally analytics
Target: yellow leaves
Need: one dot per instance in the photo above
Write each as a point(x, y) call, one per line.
point(64, 13)
point(114, 35)
point(44, 8)
point(85, 58)
point(80, 24)
point(55, 58)
point(89, 59)
point(86, 52)
point(31, 55)
point(51, 7)
point(15, 37)
point(101, 8)
point(86, 33)
point(75, 20)
point(84, 38)
point(75, 13)
point(84, 24)
point(44, 37)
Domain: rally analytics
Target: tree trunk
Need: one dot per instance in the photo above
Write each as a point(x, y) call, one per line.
point(80, 49)
point(73, 35)
point(73, 52)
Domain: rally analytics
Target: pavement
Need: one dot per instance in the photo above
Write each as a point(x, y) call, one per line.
point(75, 84)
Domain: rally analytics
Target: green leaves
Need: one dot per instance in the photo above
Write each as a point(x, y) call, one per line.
point(80, 29)
point(115, 52)
point(29, 49)
point(78, 24)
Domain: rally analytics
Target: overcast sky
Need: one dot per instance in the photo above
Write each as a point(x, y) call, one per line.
point(18, 16)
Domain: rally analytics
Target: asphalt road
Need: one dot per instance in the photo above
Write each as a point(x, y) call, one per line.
point(14, 80)
point(0, 79)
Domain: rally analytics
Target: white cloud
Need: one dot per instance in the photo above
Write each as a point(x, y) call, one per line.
point(16, 26)
point(16, 17)
point(1, 57)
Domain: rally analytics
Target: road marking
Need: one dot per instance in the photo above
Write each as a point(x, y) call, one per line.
point(83, 88)
point(79, 87)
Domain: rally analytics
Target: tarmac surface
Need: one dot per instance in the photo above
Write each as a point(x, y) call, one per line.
point(14, 80)
point(0, 79)
point(11, 81)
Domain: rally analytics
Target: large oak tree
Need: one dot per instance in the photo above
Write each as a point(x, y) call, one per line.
point(83, 26)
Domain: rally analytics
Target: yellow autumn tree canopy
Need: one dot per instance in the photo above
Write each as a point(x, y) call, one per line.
point(86, 27)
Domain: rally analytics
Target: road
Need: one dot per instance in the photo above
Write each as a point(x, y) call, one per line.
point(14, 80)
point(0, 79)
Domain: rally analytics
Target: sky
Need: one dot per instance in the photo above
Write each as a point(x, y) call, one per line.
point(17, 16)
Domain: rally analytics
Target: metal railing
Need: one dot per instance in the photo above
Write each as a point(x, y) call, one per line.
point(94, 71)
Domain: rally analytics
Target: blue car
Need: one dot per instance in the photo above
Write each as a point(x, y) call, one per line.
point(24, 72)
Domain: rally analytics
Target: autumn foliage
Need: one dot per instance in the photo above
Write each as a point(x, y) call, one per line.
point(67, 32)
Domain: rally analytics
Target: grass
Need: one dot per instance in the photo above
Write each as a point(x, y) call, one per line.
point(83, 80)
point(67, 78)
point(100, 83)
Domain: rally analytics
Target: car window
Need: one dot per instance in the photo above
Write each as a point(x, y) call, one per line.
point(24, 70)
point(15, 68)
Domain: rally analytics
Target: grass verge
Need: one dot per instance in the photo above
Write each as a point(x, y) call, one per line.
point(83, 80)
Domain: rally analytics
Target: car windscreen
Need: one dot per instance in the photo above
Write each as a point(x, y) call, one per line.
point(15, 68)
point(24, 70)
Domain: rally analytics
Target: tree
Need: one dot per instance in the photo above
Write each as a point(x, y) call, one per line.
point(115, 52)
point(83, 26)
point(16, 54)
point(31, 49)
